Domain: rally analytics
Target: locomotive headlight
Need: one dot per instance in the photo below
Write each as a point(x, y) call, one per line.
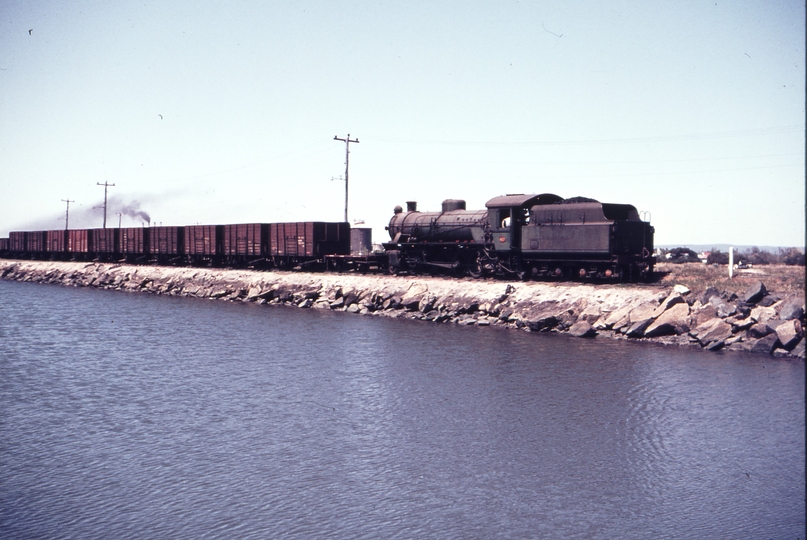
point(502, 239)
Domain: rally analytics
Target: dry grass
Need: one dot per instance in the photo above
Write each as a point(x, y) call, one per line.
point(778, 279)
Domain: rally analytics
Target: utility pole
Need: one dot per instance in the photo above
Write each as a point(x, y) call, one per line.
point(120, 217)
point(106, 185)
point(347, 142)
point(67, 211)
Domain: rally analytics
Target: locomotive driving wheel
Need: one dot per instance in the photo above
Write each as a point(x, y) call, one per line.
point(475, 269)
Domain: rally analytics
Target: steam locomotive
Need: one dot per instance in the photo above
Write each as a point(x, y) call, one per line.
point(516, 236)
point(527, 236)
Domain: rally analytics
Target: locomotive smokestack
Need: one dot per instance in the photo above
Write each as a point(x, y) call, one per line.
point(411, 206)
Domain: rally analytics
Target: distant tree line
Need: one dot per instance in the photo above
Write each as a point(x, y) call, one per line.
point(752, 256)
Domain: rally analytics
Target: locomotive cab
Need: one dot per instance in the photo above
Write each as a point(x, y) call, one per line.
point(509, 214)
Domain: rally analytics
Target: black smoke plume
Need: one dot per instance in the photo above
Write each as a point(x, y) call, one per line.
point(91, 216)
point(131, 209)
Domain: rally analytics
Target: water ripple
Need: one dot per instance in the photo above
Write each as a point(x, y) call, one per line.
point(129, 416)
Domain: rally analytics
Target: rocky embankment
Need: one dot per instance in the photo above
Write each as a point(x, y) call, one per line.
point(756, 321)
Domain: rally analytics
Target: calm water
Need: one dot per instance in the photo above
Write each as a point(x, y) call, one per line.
point(134, 416)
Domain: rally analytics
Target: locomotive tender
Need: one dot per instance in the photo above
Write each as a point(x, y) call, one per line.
point(535, 236)
point(516, 236)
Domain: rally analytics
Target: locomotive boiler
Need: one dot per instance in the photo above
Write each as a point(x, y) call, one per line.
point(527, 236)
point(453, 224)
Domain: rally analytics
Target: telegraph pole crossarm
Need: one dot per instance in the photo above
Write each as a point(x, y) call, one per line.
point(106, 186)
point(347, 142)
point(67, 212)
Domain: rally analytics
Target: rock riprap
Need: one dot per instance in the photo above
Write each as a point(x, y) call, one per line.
point(757, 321)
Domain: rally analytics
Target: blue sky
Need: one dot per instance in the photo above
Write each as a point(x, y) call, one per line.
point(223, 112)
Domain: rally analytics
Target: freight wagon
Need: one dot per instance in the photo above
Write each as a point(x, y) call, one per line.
point(307, 243)
point(102, 244)
point(167, 244)
point(78, 241)
point(246, 243)
point(133, 243)
point(204, 244)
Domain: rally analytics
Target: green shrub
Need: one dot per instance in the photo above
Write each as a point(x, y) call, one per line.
point(791, 256)
point(683, 255)
point(717, 257)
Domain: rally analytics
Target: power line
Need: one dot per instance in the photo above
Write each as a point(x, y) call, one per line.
point(659, 138)
point(641, 174)
point(543, 163)
point(290, 154)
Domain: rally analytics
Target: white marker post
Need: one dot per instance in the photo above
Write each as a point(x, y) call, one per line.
point(731, 262)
